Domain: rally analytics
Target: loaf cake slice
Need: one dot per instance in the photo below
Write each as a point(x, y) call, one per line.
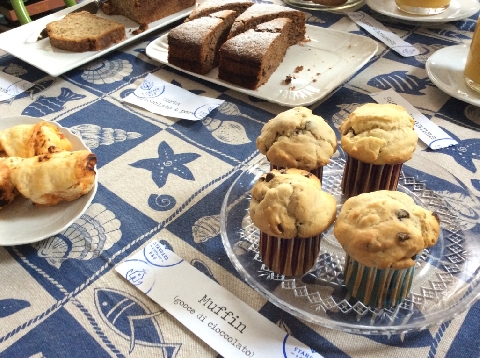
point(193, 45)
point(210, 6)
point(145, 11)
point(259, 13)
point(83, 31)
point(249, 59)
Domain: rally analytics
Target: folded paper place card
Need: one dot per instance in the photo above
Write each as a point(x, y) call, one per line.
point(428, 132)
point(10, 86)
point(158, 96)
point(218, 317)
point(383, 34)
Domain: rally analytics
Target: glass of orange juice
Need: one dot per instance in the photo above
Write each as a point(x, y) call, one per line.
point(422, 7)
point(472, 66)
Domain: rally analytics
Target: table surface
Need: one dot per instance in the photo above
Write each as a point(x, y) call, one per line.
point(53, 293)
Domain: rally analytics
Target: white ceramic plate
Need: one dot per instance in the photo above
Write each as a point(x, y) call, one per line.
point(329, 59)
point(458, 9)
point(20, 41)
point(445, 69)
point(21, 222)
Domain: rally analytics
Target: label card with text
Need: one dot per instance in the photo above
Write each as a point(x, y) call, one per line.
point(219, 318)
point(428, 132)
point(158, 96)
point(10, 86)
point(383, 34)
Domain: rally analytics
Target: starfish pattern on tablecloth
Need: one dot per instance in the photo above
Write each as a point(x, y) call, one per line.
point(167, 163)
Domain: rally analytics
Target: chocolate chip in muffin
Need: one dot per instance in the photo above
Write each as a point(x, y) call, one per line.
point(403, 214)
point(269, 177)
point(435, 215)
point(402, 236)
point(280, 227)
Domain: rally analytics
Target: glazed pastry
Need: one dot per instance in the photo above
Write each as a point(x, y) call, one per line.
point(299, 139)
point(51, 178)
point(8, 192)
point(28, 140)
point(377, 139)
point(382, 233)
point(291, 212)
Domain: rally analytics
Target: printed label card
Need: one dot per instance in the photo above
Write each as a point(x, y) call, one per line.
point(219, 318)
point(160, 97)
point(10, 86)
point(382, 33)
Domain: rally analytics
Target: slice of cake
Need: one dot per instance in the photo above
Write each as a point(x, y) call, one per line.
point(145, 11)
point(259, 13)
point(249, 59)
point(193, 45)
point(210, 6)
point(82, 31)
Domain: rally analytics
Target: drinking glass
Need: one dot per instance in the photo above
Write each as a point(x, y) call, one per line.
point(472, 66)
point(422, 7)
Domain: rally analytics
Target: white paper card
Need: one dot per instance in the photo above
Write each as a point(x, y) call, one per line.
point(428, 132)
point(219, 318)
point(158, 96)
point(10, 86)
point(383, 34)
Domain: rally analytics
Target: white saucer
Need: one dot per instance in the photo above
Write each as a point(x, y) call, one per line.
point(445, 69)
point(458, 9)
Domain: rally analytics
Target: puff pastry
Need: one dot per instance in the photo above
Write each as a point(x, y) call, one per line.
point(28, 140)
point(49, 178)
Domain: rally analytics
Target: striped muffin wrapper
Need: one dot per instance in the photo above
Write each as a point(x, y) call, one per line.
point(318, 172)
point(289, 257)
point(359, 177)
point(375, 287)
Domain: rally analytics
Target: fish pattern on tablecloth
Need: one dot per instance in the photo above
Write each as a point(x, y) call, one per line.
point(108, 316)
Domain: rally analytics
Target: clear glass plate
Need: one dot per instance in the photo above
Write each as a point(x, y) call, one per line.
point(447, 276)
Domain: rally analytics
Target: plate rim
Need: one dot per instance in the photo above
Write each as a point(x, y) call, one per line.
point(445, 314)
point(15, 41)
point(153, 47)
point(87, 197)
point(423, 18)
point(441, 84)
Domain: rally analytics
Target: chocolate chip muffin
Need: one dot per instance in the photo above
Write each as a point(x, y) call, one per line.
point(291, 212)
point(298, 139)
point(377, 139)
point(382, 233)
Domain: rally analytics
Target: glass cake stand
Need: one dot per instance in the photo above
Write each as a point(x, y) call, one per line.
point(447, 275)
point(310, 5)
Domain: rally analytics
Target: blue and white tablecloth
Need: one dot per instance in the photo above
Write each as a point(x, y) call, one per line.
point(61, 297)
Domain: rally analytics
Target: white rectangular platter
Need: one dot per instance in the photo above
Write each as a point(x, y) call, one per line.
point(329, 58)
point(20, 41)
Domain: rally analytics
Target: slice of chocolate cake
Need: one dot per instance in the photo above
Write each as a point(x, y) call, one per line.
point(210, 6)
point(250, 58)
point(193, 45)
point(260, 13)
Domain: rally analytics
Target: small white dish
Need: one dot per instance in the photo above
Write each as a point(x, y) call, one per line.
point(20, 41)
point(23, 223)
point(458, 9)
point(445, 69)
point(329, 59)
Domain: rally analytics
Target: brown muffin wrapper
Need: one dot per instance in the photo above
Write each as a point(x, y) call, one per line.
point(318, 172)
point(289, 257)
point(359, 177)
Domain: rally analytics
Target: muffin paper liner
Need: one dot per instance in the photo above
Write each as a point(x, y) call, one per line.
point(375, 287)
point(359, 177)
point(289, 257)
